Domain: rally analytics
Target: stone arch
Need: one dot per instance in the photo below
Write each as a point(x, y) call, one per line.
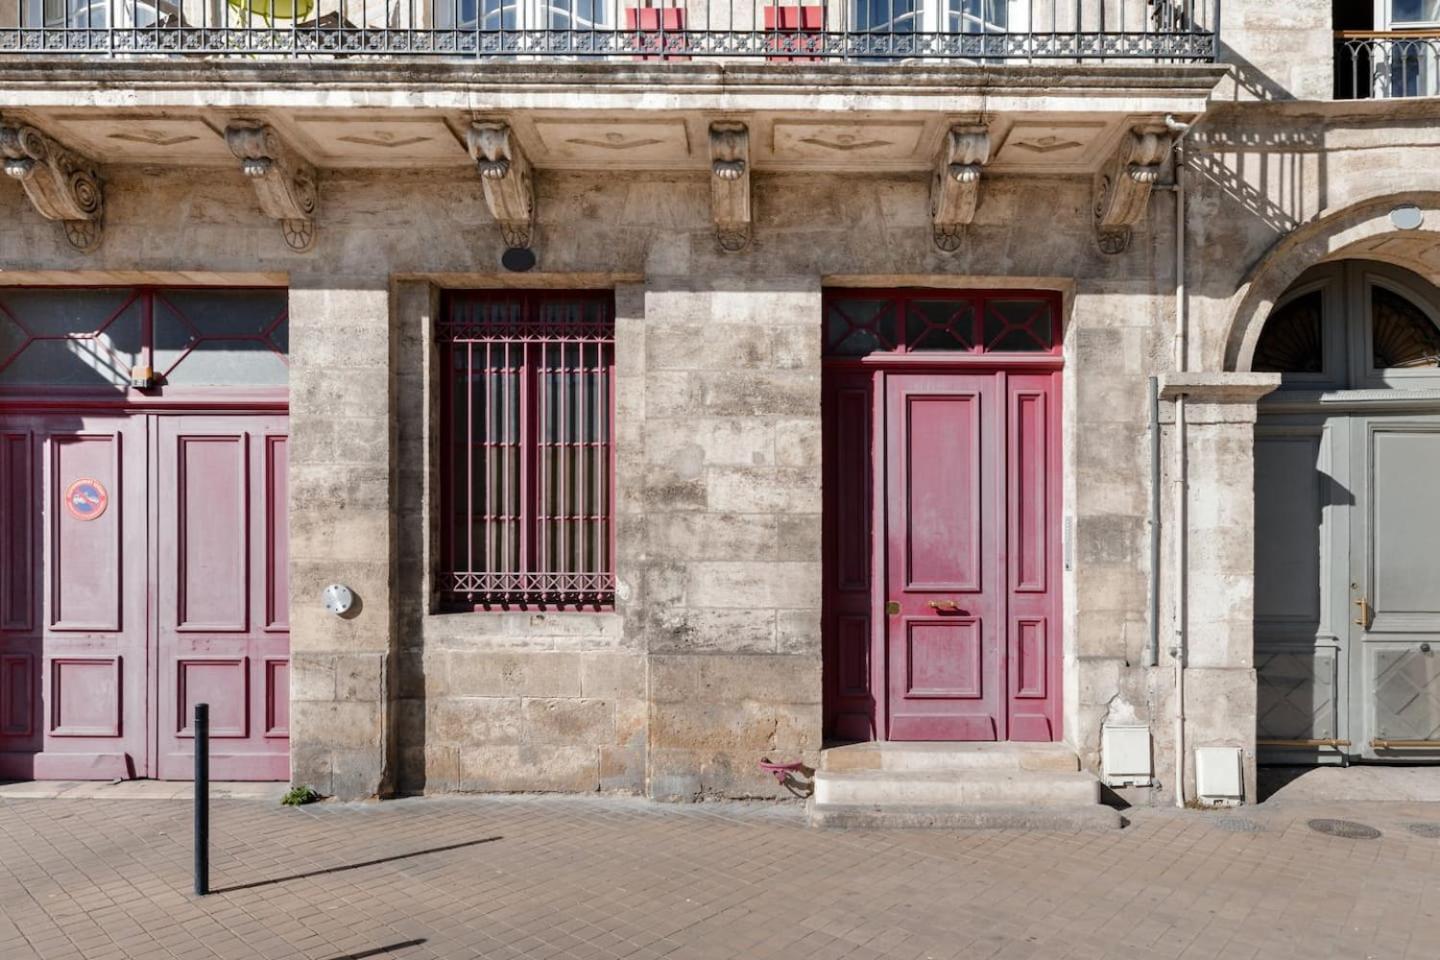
point(1361, 230)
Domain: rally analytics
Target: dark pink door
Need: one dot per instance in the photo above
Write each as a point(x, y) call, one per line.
point(222, 600)
point(142, 570)
point(944, 603)
point(73, 618)
point(970, 508)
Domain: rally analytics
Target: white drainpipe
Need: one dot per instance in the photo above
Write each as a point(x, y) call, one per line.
point(1182, 329)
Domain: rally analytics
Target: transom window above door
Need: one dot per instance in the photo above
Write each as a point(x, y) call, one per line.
point(861, 322)
point(1354, 324)
point(100, 338)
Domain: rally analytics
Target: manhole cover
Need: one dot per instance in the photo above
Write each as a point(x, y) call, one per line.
point(1430, 831)
point(1347, 829)
point(1238, 825)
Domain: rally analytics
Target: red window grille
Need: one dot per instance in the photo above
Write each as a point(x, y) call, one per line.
point(527, 490)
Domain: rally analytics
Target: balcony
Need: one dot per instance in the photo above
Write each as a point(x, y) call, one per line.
point(1384, 65)
point(972, 32)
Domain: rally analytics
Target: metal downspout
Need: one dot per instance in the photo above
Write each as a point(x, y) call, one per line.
point(1152, 605)
point(1182, 330)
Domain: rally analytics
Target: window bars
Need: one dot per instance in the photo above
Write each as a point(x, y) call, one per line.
point(978, 32)
point(527, 465)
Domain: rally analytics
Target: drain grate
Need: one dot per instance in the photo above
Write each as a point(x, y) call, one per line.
point(1345, 829)
point(1238, 825)
point(1430, 831)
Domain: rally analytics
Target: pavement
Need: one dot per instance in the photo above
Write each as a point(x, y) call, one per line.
point(602, 877)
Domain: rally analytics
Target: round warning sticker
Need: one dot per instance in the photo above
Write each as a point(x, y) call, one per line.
point(86, 499)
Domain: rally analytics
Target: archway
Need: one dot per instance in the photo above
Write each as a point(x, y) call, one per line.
point(1364, 230)
point(1347, 506)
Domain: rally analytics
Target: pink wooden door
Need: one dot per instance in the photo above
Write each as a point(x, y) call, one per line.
point(944, 592)
point(972, 500)
point(73, 605)
point(222, 607)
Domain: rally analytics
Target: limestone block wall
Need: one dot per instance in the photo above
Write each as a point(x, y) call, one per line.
point(342, 529)
point(710, 658)
point(1278, 51)
point(730, 569)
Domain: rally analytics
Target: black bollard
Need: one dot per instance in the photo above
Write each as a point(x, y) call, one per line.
point(202, 799)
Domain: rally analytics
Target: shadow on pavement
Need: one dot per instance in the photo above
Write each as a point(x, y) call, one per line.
point(378, 951)
point(352, 866)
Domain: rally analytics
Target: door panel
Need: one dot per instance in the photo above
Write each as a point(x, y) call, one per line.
point(1397, 628)
point(220, 613)
point(1031, 549)
point(1303, 505)
point(942, 523)
point(848, 624)
point(74, 631)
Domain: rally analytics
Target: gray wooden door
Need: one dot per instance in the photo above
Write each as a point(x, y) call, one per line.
point(1395, 586)
point(1303, 507)
point(1347, 586)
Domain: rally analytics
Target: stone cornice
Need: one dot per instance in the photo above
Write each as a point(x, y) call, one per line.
point(40, 82)
point(1241, 388)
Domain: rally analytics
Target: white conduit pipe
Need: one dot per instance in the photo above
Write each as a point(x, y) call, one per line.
point(1182, 330)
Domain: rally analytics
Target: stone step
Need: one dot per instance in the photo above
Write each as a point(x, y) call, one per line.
point(1068, 819)
point(983, 787)
point(896, 755)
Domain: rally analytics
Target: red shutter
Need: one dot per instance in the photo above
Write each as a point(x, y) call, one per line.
point(659, 29)
point(800, 30)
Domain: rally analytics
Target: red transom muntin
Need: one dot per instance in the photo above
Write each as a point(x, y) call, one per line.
point(527, 463)
point(859, 323)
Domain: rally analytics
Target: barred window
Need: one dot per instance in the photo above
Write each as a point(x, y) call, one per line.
point(527, 473)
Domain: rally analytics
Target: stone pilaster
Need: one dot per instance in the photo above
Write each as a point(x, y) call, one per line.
point(730, 573)
point(1220, 695)
point(341, 531)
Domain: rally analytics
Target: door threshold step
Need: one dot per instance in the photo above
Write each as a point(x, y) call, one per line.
point(1046, 818)
point(929, 755)
point(963, 788)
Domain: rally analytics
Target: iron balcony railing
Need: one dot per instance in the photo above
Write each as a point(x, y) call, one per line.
point(978, 31)
point(1397, 63)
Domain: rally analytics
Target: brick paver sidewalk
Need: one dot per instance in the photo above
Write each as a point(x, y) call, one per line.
point(599, 878)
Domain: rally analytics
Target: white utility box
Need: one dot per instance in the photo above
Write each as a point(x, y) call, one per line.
point(1219, 775)
point(1125, 754)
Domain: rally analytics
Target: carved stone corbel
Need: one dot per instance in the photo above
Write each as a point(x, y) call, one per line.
point(287, 186)
point(955, 189)
point(506, 177)
point(1122, 190)
point(730, 184)
point(61, 184)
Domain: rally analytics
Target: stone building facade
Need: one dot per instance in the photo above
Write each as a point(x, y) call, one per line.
point(379, 194)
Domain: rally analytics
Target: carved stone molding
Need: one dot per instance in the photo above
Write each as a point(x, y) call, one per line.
point(1122, 189)
point(730, 184)
point(955, 188)
point(507, 179)
point(286, 186)
point(61, 184)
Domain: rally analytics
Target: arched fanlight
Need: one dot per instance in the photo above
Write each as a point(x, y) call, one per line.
point(1293, 339)
point(1402, 335)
